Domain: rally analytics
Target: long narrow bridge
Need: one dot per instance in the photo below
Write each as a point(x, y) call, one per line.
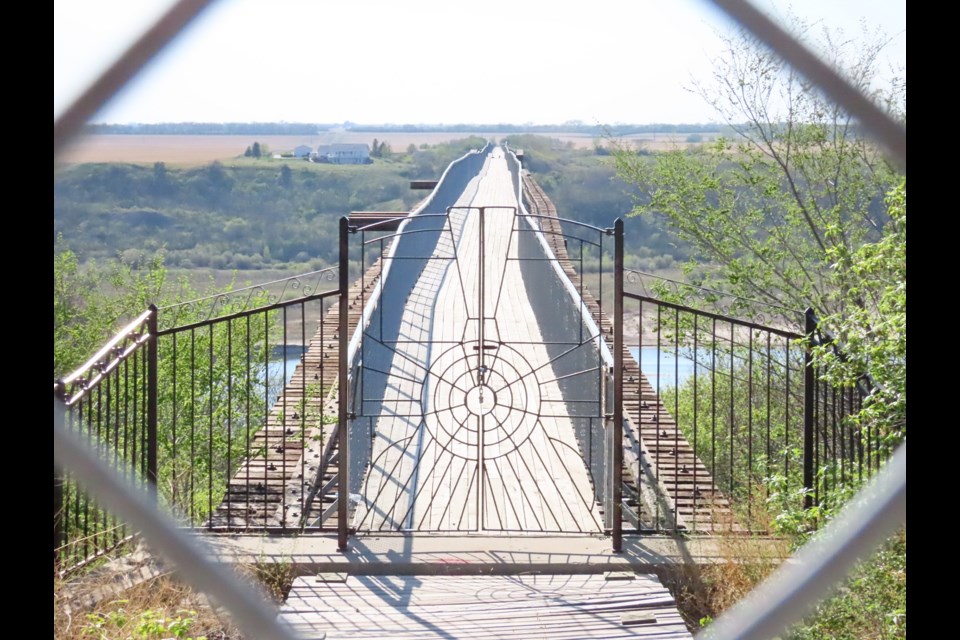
point(480, 373)
point(467, 383)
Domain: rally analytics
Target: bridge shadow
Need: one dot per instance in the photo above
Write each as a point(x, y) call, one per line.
point(385, 587)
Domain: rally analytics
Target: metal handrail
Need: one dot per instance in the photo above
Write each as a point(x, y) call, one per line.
point(262, 287)
point(726, 294)
point(127, 332)
point(793, 335)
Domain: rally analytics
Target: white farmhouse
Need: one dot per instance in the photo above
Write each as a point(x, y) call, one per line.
point(345, 153)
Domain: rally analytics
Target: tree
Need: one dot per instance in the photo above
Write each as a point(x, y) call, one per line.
point(255, 150)
point(93, 301)
point(874, 334)
point(90, 304)
point(161, 182)
point(798, 210)
point(799, 183)
point(286, 177)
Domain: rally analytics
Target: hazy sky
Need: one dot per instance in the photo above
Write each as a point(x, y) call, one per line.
point(422, 61)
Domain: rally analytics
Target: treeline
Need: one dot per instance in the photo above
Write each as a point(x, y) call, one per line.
point(299, 128)
point(210, 128)
point(583, 185)
point(285, 213)
point(567, 127)
point(240, 216)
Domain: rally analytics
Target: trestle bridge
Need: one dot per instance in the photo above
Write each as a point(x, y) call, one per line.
point(479, 369)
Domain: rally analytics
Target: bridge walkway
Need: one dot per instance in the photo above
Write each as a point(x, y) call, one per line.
point(256, 496)
point(472, 431)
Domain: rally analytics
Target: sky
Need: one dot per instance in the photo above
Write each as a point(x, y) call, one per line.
point(425, 61)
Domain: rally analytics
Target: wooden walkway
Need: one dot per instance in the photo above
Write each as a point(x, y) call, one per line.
point(473, 432)
point(616, 605)
point(666, 457)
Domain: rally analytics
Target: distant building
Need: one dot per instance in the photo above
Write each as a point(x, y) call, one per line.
point(301, 151)
point(353, 153)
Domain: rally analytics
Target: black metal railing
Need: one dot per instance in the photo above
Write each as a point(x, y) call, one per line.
point(110, 404)
point(723, 413)
point(841, 450)
point(416, 403)
point(220, 407)
point(244, 408)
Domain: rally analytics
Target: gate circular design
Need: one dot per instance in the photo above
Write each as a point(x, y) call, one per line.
point(496, 398)
point(481, 400)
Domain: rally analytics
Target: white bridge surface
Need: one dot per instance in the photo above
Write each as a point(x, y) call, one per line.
point(472, 433)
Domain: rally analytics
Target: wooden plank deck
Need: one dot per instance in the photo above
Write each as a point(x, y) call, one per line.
point(523, 606)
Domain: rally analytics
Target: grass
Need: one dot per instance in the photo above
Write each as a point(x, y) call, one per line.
point(872, 603)
point(158, 607)
point(704, 591)
point(869, 605)
point(161, 607)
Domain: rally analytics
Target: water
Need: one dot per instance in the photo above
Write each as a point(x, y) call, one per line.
point(670, 364)
point(276, 374)
point(674, 369)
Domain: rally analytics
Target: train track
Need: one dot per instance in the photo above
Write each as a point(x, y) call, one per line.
point(655, 450)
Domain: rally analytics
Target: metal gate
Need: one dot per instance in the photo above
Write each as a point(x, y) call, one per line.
point(469, 411)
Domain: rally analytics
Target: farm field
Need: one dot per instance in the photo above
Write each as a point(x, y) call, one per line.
point(200, 149)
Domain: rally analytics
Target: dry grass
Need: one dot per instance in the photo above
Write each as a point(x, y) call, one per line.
point(137, 612)
point(102, 604)
point(187, 150)
point(704, 591)
point(273, 578)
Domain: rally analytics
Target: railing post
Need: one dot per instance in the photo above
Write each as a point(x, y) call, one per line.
point(343, 440)
point(809, 380)
point(58, 488)
point(152, 384)
point(617, 457)
point(57, 514)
